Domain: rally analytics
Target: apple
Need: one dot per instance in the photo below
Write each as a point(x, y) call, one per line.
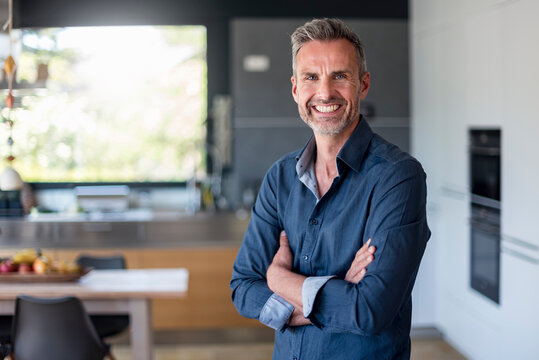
point(7, 266)
point(24, 268)
point(40, 266)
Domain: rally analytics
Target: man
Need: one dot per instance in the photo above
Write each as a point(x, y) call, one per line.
point(339, 228)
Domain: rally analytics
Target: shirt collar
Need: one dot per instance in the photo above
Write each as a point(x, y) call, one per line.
point(306, 157)
point(352, 153)
point(354, 149)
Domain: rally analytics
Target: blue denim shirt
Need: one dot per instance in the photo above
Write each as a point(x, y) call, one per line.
point(380, 193)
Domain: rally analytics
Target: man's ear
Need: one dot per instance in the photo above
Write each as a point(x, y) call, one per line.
point(365, 85)
point(294, 88)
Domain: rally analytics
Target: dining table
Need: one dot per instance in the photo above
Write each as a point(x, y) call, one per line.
point(125, 291)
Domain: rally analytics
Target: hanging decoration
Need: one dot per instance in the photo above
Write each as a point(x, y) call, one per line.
point(10, 178)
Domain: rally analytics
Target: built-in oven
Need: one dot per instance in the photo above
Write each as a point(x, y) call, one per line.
point(485, 235)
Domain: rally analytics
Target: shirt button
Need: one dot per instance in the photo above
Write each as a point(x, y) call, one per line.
point(294, 358)
point(314, 222)
point(305, 257)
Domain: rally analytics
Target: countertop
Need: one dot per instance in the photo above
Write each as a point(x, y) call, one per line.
point(128, 229)
point(131, 215)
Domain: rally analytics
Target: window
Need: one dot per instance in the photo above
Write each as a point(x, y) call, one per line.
point(110, 104)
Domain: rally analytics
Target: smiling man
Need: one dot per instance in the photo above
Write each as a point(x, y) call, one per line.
point(339, 228)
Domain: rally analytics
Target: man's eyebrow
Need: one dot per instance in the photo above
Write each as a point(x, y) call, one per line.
point(333, 73)
point(340, 72)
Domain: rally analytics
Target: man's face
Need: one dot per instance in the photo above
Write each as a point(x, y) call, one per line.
point(327, 87)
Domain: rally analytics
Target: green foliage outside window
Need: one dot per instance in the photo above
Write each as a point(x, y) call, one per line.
point(118, 104)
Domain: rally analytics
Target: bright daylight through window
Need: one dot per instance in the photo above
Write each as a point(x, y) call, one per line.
point(124, 104)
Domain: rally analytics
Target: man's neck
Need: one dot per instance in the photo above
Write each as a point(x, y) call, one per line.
point(327, 149)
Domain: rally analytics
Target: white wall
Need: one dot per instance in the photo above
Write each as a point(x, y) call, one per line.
point(475, 63)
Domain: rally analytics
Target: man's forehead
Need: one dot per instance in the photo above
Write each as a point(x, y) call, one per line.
point(325, 44)
point(339, 53)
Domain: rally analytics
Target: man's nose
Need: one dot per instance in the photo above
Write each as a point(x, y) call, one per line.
point(325, 88)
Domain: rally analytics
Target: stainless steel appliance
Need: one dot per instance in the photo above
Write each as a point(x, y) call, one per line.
point(485, 171)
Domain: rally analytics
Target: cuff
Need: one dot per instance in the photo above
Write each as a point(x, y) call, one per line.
point(310, 289)
point(276, 313)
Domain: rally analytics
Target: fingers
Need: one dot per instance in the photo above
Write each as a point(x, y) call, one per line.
point(364, 248)
point(365, 255)
point(284, 256)
point(355, 277)
point(358, 268)
point(283, 239)
point(359, 276)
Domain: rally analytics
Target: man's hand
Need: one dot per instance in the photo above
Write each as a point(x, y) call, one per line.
point(284, 257)
point(282, 263)
point(280, 277)
point(297, 319)
point(282, 281)
point(364, 256)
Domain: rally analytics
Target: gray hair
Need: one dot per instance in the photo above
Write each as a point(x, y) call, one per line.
point(325, 30)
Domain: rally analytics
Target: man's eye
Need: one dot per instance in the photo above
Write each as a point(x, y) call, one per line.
point(310, 77)
point(340, 76)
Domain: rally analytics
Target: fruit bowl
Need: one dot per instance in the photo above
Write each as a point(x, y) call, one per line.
point(32, 265)
point(43, 278)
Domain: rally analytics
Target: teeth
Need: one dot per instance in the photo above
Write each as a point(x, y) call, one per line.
point(326, 109)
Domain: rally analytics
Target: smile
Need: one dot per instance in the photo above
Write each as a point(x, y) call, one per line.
point(326, 108)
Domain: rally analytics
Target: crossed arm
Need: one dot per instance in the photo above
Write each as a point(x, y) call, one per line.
point(287, 284)
point(263, 283)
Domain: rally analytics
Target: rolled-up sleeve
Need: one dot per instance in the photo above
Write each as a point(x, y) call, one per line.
point(398, 228)
point(310, 288)
point(276, 313)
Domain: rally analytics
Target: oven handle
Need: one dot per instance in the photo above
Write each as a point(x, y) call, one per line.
point(486, 151)
point(485, 227)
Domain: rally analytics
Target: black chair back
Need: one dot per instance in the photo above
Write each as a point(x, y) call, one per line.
point(54, 329)
point(102, 263)
point(111, 324)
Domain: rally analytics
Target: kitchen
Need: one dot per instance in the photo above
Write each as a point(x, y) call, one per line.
point(468, 70)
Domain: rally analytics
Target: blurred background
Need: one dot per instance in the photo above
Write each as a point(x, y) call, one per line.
point(145, 128)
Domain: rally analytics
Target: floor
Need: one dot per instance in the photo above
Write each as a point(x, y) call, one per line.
point(253, 344)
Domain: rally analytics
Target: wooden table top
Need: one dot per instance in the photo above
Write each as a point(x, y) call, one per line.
point(108, 284)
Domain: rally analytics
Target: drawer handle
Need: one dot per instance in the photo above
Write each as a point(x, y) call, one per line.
point(520, 256)
point(522, 243)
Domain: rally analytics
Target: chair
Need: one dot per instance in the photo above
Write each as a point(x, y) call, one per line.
point(106, 325)
point(5, 335)
point(102, 263)
point(54, 329)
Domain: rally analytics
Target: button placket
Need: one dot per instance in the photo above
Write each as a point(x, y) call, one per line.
point(311, 238)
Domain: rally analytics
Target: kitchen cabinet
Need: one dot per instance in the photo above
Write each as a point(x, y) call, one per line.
point(101, 233)
point(520, 173)
point(22, 232)
point(196, 231)
point(519, 299)
point(208, 303)
point(12, 234)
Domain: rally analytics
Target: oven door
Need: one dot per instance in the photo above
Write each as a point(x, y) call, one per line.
point(485, 171)
point(485, 251)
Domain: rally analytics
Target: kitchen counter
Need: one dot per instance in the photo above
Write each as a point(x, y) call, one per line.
point(204, 243)
point(132, 215)
point(137, 228)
